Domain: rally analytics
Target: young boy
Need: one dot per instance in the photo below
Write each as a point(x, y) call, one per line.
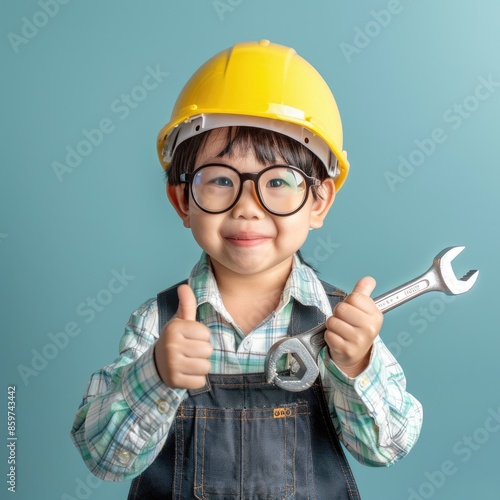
point(253, 155)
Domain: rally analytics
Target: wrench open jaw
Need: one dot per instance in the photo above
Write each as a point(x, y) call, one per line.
point(454, 286)
point(305, 347)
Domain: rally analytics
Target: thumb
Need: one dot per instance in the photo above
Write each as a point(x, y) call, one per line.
point(365, 286)
point(187, 303)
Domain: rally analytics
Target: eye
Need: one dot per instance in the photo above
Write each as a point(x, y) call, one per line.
point(276, 183)
point(221, 181)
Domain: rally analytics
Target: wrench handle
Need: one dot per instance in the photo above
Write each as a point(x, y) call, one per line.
point(403, 293)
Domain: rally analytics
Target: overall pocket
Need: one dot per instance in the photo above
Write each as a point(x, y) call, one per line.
point(249, 454)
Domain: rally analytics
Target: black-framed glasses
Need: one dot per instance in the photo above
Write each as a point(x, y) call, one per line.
point(281, 189)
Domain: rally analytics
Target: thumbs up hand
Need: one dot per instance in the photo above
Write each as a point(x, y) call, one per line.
point(353, 327)
point(183, 350)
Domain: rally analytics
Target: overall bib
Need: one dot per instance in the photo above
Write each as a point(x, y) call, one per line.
point(239, 437)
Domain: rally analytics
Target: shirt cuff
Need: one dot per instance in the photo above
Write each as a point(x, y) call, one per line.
point(146, 393)
point(369, 389)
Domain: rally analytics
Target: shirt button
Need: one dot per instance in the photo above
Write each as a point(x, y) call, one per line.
point(247, 344)
point(124, 457)
point(163, 406)
point(363, 382)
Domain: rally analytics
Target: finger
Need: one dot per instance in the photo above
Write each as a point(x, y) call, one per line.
point(194, 367)
point(197, 349)
point(187, 303)
point(343, 330)
point(188, 373)
point(337, 344)
point(181, 381)
point(365, 286)
point(191, 382)
point(348, 319)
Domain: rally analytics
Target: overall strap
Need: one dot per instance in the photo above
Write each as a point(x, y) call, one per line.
point(306, 317)
point(167, 301)
point(334, 295)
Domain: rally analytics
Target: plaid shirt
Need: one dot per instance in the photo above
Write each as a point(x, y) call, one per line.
point(127, 410)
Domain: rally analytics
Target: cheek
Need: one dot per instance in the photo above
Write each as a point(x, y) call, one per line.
point(204, 227)
point(198, 225)
point(294, 228)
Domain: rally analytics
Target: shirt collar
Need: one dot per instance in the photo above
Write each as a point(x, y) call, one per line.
point(202, 280)
point(302, 285)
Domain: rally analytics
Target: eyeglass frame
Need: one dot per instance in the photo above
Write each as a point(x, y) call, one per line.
point(252, 176)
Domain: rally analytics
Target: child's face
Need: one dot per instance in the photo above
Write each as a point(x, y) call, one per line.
point(247, 239)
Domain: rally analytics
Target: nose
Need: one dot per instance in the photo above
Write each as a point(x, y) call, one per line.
point(248, 205)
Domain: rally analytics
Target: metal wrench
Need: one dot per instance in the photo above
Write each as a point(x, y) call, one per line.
point(305, 347)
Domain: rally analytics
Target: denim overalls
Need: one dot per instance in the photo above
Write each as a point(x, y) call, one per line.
point(239, 437)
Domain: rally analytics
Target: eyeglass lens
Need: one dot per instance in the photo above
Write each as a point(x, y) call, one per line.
point(281, 189)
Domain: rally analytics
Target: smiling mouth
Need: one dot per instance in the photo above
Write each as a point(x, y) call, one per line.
point(247, 239)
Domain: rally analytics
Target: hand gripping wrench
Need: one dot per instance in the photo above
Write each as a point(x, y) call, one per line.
point(305, 347)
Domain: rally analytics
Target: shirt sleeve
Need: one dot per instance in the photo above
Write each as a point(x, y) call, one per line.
point(127, 410)
point(376, 419)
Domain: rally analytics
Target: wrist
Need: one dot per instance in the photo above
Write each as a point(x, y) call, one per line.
point(352, 370)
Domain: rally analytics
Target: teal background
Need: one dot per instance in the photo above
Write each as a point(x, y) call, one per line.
point(60, 240)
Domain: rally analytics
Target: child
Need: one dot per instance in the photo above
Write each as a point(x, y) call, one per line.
point(253, 155)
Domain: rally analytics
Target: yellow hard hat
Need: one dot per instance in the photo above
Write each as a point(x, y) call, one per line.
point(260, 84)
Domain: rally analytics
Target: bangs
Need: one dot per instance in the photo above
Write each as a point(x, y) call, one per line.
point(268, 147)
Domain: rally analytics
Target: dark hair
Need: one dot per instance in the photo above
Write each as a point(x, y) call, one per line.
point(267, 146)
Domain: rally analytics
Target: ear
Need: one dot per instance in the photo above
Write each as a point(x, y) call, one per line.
point(177, 199)
point(321, 206)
